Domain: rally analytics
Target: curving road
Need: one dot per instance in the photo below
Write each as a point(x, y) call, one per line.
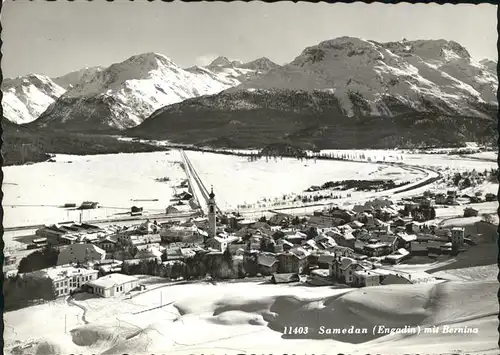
point(409, 190)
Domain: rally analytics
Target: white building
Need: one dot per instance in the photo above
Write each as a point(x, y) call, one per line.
point(220, 242)
point(112, 285)
point(67, 278)
point(363, 278)
point(80, 253)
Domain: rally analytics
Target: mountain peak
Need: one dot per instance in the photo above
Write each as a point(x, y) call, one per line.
point(260, 64)
point(26, 97)
point(149, 58)
point(76, 77)
point(219, 62)
point(124, 94)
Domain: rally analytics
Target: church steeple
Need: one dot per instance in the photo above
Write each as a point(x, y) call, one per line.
point(212, 220)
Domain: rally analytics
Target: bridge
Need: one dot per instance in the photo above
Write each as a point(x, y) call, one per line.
point(198, 189)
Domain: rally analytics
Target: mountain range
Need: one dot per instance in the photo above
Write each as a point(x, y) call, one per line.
point(344, 92)
point(119, 96)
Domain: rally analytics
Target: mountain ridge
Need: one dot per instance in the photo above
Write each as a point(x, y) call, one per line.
point(396, 68)
point(25, 98)
point(433, 88)
point(125, 93)
point(71, 79)
point(335, 81)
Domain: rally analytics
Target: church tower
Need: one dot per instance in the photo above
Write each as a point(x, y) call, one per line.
point(212, 220)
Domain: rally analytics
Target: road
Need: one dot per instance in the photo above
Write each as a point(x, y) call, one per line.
point(196, 184)
point(197, 190)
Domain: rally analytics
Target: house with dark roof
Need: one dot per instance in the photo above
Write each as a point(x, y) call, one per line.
point(397, 256)
point(345, 239)
point(268, 264)
point(282, 245)
point(376, 249)
point(88, 205)
point(290, 262)
point(80, 253)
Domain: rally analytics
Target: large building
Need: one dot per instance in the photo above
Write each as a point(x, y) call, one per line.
point(112, 285)
point(80, 253)
point(67, 278)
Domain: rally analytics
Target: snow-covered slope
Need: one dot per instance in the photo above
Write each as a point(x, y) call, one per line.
point(71, 79)
point(419, 74)
point(232, 320)
point(26, 97)
point(490, 65)
point(124, 94)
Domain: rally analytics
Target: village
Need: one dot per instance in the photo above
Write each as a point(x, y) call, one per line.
point(354, 247)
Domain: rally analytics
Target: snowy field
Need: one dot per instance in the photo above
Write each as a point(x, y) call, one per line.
point(478, 161)
point(453, 211)
point(34, 193)
point(228, 317)
point(486, 272)
point(452, 162)
point(254, 181)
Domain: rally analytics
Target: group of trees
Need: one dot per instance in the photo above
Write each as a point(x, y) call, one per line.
point(283, 150)
point(26, 144)
point(492, 175)
point(471, 178)
point(24, 290)
point(124, 249)
point(198, 266)
point(363, 185)
point(420, 214)
point(40, 259)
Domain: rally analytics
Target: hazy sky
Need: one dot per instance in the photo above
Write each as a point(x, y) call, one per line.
point(54, 38)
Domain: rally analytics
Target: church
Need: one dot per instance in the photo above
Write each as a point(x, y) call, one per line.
point(217, 241)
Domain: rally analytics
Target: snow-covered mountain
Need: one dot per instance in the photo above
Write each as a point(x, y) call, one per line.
point(415, 73)
point(69, 80)
point(260, 65)
point(124, 94)
point(491, 65)
point(26, 97)
point(345, 93)
point(238, 72)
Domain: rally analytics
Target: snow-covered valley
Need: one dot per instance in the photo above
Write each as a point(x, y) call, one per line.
point(117, 181)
